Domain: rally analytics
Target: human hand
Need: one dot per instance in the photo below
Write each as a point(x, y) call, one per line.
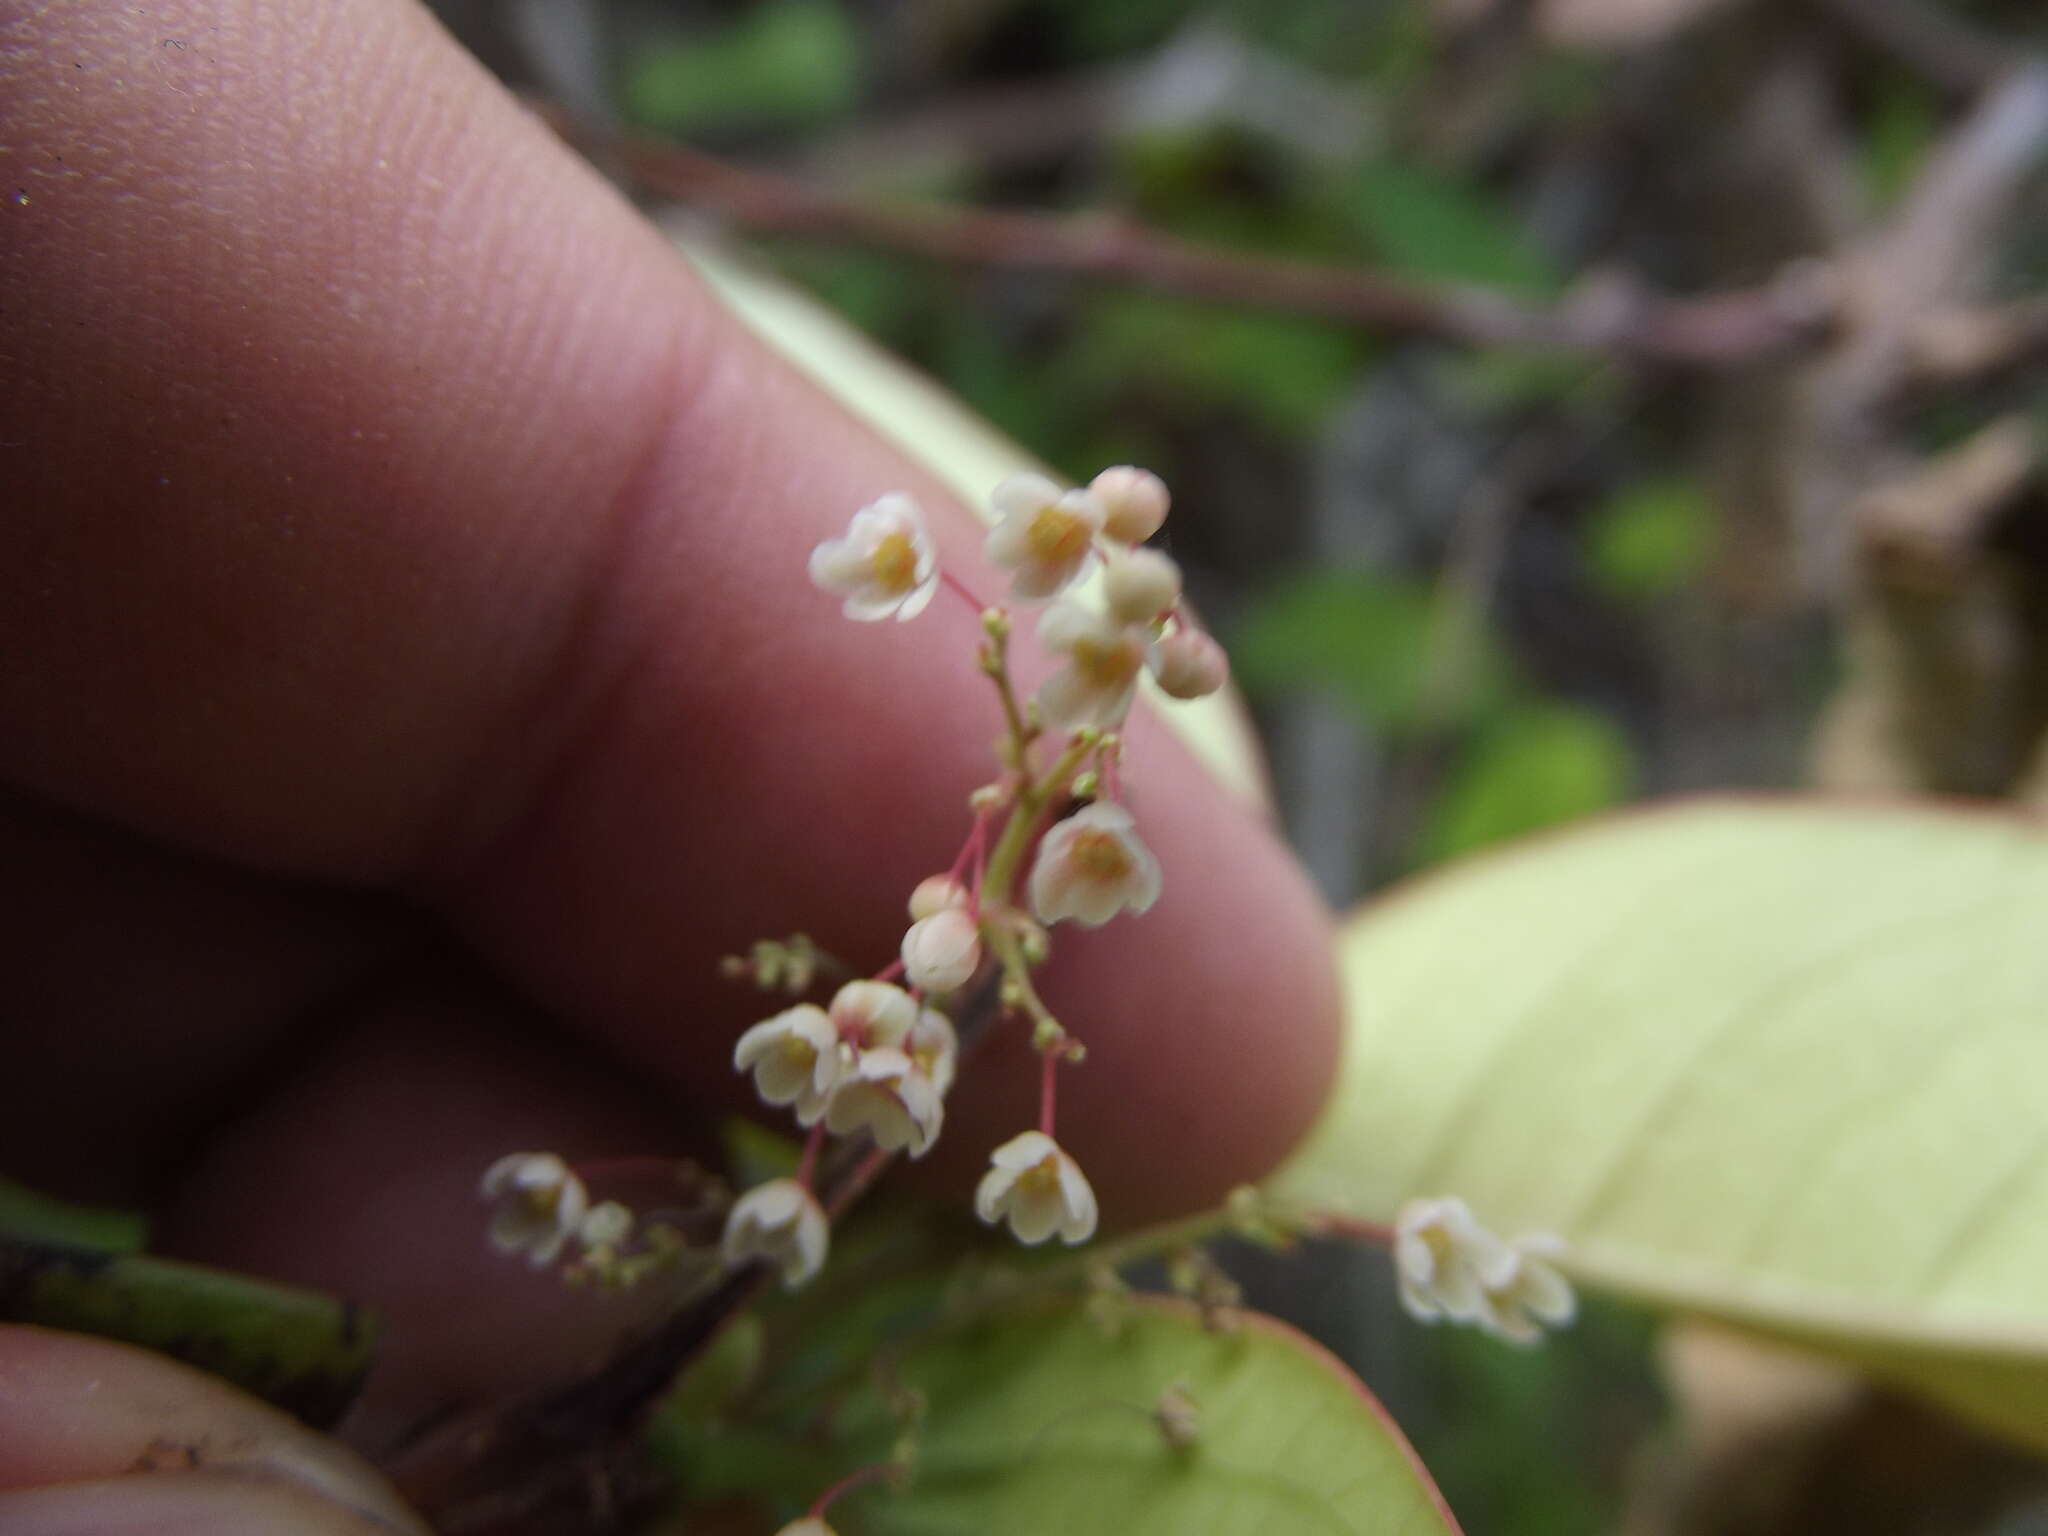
point(411, 686)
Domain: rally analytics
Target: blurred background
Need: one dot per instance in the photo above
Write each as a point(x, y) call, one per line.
point(1566, 402)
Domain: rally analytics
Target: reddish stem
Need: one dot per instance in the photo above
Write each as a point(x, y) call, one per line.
point(847, 1484)
point(1325, 1224)
point(1112, 775)
point(1048, 1087)
point(807, 1165)
point(864, 1175)
point(890, 971)
point(955, 585)
point(970, 855)
point(602, 1168)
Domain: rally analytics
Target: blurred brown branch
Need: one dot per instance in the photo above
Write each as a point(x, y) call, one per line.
point(1938, 44)
point(1608, 315)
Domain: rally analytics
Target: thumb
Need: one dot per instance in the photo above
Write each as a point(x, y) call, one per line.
point(107, 1438)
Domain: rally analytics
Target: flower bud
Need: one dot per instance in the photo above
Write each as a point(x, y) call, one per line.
point(1188, 663)
point(1138, 585)
point(1134, 502)
point(934, 894)
point(941, 952)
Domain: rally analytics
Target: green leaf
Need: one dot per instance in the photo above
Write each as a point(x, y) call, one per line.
point(1362, 636)
point(1651, 537)
point(1435, 226)
point(1902, 127)
point(1532, 767)
point(1037, 1421)
point(26, 1214)
point(1782, 1063)
point(1283, 372)
point(789, 61)
point(302, 1351)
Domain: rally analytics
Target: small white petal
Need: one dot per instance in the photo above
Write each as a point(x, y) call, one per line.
point(884, 566)
point(934, 1047)
point(1046, 538)
point(1531, 1294)
point(538, 1204)
point(889, 1098)
point(1100, 677)
point(792, 1056)
point(1038, 1189)
point(782, 1223)
point(1451, 1267)
point(1091, 867)
point(871, 1013)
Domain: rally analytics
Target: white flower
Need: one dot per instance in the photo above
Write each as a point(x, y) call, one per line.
point(1188, 663)
point(605, 1225)
point(871, 1013)
point(1104, 659)
point(933, 1048)
point(796, 1058)
point(942, 951)
point(884, 565)
point(781, 1222)
point(1038, 1189)
point(1446, 1262)
point(889, 1098)
point(540, 1204)
point(810, 1525)
point(1138, 585)
point(1134, 502)
point(1046, 539)
point(1533, 1294)
point(1091, 866)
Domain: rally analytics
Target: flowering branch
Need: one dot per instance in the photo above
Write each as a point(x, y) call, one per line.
point(867, 1074)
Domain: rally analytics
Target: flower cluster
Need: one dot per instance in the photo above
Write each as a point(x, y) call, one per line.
point(877, 1061)
point(541, 1208)
point(1451, 1268)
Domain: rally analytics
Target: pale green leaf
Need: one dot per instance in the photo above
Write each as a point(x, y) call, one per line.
point(1038, 1422)
point(1784, 1063)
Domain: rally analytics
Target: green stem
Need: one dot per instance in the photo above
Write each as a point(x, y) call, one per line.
point(1032, 798)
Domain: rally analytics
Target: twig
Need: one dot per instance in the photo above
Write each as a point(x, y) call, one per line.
point(1608, 316)
point(1937, 44)
point(1900, 284)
